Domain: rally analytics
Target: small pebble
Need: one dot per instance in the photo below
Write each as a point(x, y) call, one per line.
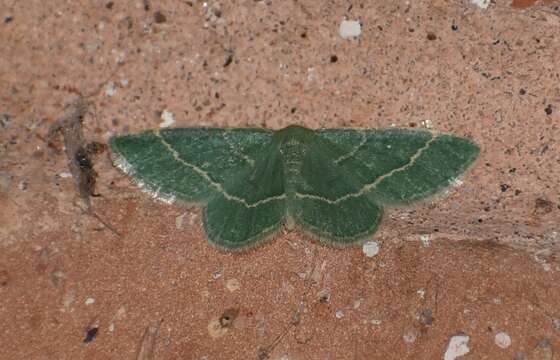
point(65, 174)
point(339, 314)
point(217, 274)
point(425, 240)
point(483, 4)
point(457, 182)
point(168, 119)
point(5, 120)
point(91, 333)
point(556, 323)
point(110, 89)
point(502, 339)
point(458, 346)
point(89, 301)
point(427, 123)
point(23, 185)
point(370, 248)
point(349, 29)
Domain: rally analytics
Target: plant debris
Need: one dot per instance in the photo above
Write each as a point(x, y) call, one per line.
point(79, 161)
point(79, 153)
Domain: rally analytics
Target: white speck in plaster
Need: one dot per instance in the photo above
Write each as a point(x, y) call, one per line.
point(349, 29)
point(503, 340)
point(370, 248)
point(311, 74)
point(426, 241)
point(427, 123)
point(90, 301)
point(110, 89)
point(217, 274)
point(458, 346)
point(120, 55)
point(168, 119)
point(483, 4)
point(457, 182)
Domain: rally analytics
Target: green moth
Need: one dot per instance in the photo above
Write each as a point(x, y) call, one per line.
point(330, 183)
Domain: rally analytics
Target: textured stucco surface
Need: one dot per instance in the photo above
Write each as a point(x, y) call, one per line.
point(492, 75)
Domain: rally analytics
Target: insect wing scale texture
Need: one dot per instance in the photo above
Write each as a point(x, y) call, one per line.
point(332, 182)
point(405, 165)
point(321, 204)
point(257, 207)
point(234, 172)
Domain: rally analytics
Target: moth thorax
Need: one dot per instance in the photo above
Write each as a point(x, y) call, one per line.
point(293, 153)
